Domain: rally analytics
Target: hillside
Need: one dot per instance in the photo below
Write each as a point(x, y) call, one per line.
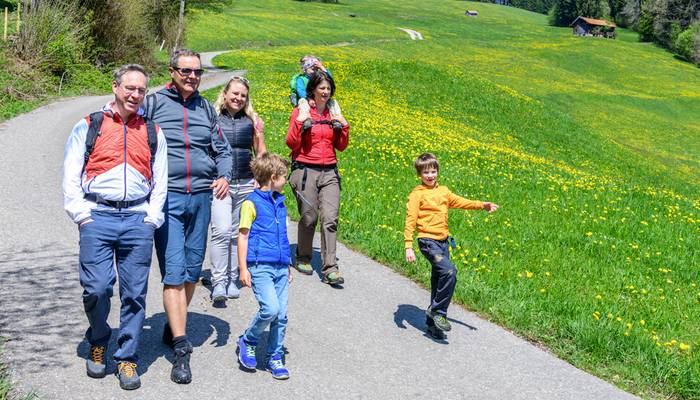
point(591, 146)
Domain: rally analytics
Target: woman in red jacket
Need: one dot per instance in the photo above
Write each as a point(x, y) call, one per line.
point(315, 179)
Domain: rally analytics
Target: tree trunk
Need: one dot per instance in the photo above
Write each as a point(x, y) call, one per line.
point(180, 25)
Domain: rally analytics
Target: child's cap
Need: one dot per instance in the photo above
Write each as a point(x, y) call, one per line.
point(308, 63)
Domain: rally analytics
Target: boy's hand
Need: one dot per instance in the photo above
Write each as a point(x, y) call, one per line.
point(410, 255)
point(490, 207)
point(245, 277)
point(291, 276)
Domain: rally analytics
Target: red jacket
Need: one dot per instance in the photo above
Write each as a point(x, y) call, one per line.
point(316, 145)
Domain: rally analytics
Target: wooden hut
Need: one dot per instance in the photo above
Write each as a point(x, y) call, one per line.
point(583, 26)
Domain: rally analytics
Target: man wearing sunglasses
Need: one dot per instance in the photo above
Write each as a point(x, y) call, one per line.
point(115, 180)
point(199, 164)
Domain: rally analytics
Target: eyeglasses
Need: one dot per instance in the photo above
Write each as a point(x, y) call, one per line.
point(240, 78)
point(129, 90)
point(188, 71)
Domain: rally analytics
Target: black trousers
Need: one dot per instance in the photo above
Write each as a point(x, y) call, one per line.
point(443, 277)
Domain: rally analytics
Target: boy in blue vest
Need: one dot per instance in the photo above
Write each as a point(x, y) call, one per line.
point(264, 262)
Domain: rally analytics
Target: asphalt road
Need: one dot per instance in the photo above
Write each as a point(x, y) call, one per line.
point(363, 341)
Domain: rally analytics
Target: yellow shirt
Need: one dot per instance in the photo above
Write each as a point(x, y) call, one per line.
point(247, 215)
point(427, 210)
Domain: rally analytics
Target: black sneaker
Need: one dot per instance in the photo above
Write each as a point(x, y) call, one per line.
point(181, 366)
point(436, 333)
point(128, 377)
point(95, 365)
point(440, 320)
point(167, 335)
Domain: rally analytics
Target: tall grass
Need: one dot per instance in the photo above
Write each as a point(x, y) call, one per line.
point(591, 148)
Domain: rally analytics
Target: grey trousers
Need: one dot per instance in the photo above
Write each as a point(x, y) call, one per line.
point(225, 215)
point(317, 198)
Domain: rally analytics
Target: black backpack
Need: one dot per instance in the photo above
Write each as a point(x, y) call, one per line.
point(94, 124)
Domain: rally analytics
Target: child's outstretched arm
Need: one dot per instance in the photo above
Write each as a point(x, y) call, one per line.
point(243, 256)
point(410, 226)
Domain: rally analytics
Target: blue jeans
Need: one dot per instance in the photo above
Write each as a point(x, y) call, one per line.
point(182, 239)
point(270, 285)
point(443, 277)
point(126, 236)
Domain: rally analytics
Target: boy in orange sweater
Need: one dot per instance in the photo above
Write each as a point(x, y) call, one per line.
point(427, 209)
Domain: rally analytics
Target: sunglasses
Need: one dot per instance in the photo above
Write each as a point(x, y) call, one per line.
point(188, 71)
point(240, 78)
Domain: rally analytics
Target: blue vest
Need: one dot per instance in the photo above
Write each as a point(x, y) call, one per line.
point(267, 240)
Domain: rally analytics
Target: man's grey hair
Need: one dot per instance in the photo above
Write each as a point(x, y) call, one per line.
point(121, 71)
point(175, 57)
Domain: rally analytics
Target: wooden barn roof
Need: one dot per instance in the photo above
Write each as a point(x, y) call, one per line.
point(596, 22)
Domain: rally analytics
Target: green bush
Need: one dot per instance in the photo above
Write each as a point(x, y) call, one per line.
point(54, 36)
point(645, 27)
point(687, 43)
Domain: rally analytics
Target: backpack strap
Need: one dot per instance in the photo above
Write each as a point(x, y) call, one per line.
point(152, 140)
point(94, 124)
point(151, 105)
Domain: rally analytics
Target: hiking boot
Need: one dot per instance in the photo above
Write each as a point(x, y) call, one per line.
point(167, 335)
point(304, 268)
point(232, 291)
point(95, 365)
point(333, 278)
point(218, 293)
point(277, 368)
point(128, 377)
point(308, 123)
point(440, 320)
point(436, 333)
point(181, 366)
point(246, 354)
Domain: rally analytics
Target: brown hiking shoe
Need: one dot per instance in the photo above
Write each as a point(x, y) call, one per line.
point(128, 377)
point(95, 365)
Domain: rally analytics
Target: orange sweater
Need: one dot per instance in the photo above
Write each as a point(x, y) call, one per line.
point(427, 208)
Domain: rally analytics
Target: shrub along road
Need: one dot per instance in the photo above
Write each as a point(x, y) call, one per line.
point(365, 340)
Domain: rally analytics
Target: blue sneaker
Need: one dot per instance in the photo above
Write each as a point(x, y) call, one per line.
point(246, 354)
point(277, 368)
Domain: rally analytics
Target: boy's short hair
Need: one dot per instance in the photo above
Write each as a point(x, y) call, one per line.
point(266, 165)
point(424, 161)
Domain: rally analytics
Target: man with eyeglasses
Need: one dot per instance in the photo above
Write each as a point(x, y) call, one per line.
point(115, 180)
point(199, 167)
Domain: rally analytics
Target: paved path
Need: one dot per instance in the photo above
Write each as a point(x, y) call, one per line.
point(415, 35)
point(363, 341)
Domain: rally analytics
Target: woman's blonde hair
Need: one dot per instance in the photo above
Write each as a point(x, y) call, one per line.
point(220, 103)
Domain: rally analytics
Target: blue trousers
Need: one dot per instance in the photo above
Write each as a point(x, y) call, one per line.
point(443, 277)
point(182, 239)
point(270, 285)
point(125, 237)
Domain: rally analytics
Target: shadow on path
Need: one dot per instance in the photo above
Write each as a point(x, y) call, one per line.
point(200, 328)
point(415, 316)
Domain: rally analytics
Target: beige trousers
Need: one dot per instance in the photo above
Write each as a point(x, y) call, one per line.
point(318, 197)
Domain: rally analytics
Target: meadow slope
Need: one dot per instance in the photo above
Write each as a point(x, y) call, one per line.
point(592, 147)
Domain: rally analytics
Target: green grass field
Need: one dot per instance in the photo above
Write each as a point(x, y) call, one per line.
point(591, 147)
